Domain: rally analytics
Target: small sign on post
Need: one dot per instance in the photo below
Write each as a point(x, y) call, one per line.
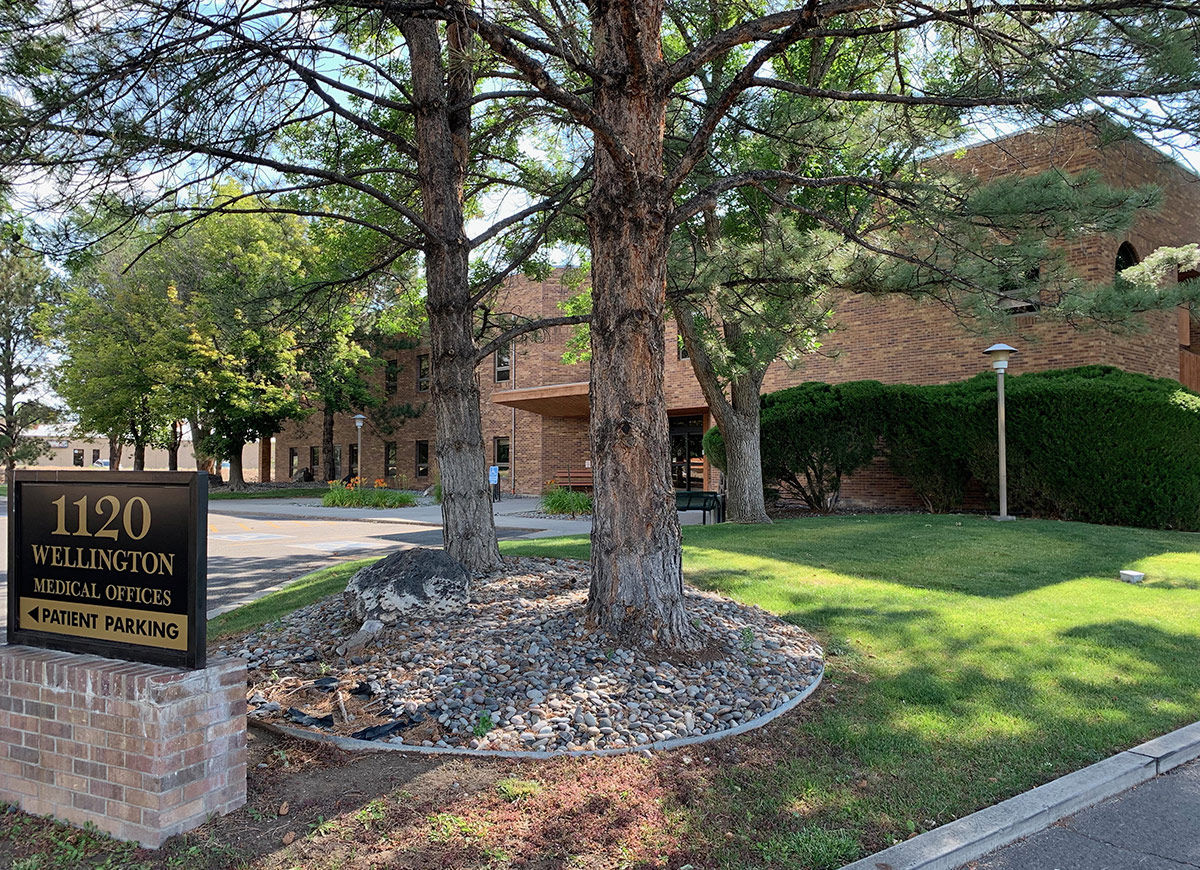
point(111, 564)
point(494, 480)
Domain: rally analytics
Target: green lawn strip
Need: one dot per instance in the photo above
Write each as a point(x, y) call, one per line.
point(282, 492)
point(3, 490)
point(968, 661)
point(304, 591)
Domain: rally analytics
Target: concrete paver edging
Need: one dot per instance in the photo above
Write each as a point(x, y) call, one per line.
point(353, 745)
point(974, 836)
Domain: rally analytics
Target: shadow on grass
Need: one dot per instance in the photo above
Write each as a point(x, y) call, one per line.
point(968, 661)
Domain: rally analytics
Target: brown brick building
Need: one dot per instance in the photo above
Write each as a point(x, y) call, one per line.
point(535, 407)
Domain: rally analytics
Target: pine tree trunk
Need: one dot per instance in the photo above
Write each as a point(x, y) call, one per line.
point(330, 469)
point(468, 528)
point(745, 501)
point(737, 416)
point(636, 591)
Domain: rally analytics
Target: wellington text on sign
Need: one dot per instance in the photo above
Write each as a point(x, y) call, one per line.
point(110, 563)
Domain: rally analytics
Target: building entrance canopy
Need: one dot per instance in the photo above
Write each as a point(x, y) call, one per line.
point(558, 400)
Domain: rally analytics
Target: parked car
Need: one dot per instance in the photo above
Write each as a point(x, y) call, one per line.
point(100, 463)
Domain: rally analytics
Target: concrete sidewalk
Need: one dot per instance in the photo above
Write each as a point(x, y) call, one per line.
point(508, 514)
point(1138, 810)
point(1153, 826)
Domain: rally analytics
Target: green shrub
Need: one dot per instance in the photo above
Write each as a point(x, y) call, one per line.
point(560, 500)
point(814, 434)
point(714, 448)
point(357, 495)
point(1097, 444)
point(1094, 443)
point(929, 435)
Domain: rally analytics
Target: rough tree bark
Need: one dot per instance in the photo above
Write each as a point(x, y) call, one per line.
point(173, 445)
point(737, 417)
point(468, 528)
point(204, 462)
point(328, 467)
point(115, 446)
point(237, 482)
point(637, 574)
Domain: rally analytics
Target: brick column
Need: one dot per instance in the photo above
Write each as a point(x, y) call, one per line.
point(141, 751)
point(264, 460)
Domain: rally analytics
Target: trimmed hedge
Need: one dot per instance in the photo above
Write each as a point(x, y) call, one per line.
point(1094, 443)
point(814, 434)
point(1100, 445)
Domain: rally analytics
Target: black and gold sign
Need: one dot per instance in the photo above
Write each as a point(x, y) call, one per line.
point(109, 563)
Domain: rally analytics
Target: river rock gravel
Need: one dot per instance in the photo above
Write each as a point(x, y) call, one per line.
point(519, 670)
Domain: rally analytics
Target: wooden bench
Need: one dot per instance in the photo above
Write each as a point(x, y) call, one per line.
point(699, 500)
point(574, 478)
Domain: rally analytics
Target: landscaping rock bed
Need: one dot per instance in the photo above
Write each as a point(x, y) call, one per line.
point(542, 515)
point(517, 669)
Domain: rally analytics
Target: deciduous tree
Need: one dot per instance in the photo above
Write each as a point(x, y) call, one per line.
point(25, 285)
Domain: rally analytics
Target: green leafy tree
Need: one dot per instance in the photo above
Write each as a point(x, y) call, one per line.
point(396, 125)
point(132, 87)
point(236, 277)
point(114, 344)
point(25, 285)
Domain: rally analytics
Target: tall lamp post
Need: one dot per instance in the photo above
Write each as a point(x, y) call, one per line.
point(359, 419)
point(999, 354)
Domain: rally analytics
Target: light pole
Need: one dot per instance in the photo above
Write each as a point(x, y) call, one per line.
point(999, 354)
point(359, 419)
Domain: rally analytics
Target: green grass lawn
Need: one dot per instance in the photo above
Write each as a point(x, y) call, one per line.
point(282, 492)
point(307, 589)
point(969, 660)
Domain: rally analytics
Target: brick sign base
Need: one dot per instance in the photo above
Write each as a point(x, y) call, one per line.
point(140, 751)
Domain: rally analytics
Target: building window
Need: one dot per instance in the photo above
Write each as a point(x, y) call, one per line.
point(337, 461)
point(501, 454)
point(95, 455)
point(1127, 256)
point(422, 459)
point(293, 461)
point(391, 376)
point(503, 363)
point(423, 373)
point(682, 348)
point(1022, 295)
point(353, 451)
point(314, 461)
point(389, 458)
point(77, 458)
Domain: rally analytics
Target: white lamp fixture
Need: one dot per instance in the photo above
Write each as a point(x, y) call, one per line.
point(1000, 354)
point(359, 419)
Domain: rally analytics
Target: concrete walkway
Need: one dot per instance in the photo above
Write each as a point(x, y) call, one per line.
point(1137, 810)
point(507, 513)
point(1153, 826)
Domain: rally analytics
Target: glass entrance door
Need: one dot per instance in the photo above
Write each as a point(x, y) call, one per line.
point(687, 452)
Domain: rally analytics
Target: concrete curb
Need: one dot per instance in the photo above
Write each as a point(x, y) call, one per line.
point(973, 836)
point(268, 515)
point(352, 745)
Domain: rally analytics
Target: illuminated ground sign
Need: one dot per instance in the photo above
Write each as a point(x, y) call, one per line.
point(109, 563)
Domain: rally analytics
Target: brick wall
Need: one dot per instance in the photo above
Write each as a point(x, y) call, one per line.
point(892, 339)
point(141, 751)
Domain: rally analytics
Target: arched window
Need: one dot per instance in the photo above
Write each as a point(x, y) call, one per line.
point(1127, 256)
